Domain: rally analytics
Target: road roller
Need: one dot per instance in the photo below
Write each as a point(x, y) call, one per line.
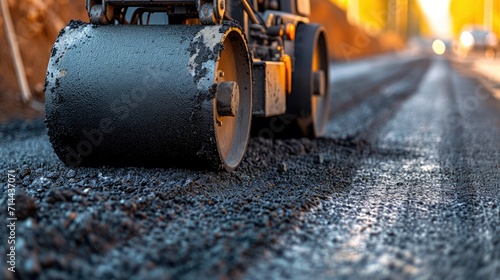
point(163, 83)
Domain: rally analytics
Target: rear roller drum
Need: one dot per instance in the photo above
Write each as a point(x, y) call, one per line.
point(308, 105)
point(149, 96)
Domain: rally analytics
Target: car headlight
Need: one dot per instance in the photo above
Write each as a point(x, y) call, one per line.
point(467, 39)
point(439, 47)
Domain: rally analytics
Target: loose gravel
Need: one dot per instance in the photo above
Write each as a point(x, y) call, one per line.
point(404, 185)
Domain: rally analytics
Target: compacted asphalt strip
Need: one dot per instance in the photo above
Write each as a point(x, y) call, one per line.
point(404, 185)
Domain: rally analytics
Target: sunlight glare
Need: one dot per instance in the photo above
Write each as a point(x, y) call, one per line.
point(438, 15)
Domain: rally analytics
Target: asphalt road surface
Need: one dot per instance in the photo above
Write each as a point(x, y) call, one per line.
point(405, 185)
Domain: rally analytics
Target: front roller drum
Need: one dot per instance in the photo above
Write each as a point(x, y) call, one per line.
point(149, 96)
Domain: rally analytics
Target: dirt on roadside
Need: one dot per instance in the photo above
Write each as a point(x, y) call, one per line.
point(37, 24)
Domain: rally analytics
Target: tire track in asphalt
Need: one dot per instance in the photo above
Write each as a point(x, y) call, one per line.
point(471, 157)
point(353, 91)
point(380, 101)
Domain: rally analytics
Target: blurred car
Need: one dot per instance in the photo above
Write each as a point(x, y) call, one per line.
point(475, 38)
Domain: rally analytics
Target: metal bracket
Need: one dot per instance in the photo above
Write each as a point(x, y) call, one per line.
point(211, 13)
point(269, 96)
point(98, 11)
